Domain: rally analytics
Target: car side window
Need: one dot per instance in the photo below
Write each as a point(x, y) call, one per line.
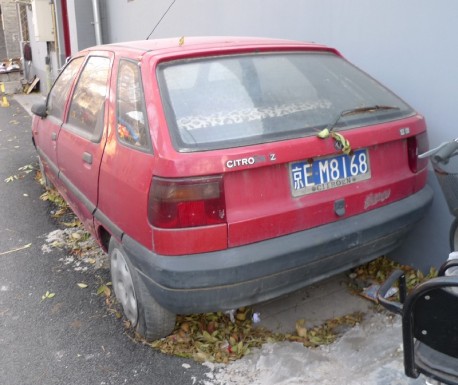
point(132, 128)
point(59, 92)
point(86, 113)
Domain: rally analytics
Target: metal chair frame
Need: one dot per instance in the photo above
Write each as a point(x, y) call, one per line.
point(429, 324)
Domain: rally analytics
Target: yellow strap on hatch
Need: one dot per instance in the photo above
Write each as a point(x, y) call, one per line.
point(339, 138)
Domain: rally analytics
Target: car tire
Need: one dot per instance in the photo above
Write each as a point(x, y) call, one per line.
point(46, 182)
point(454, 235)
point(148, 317)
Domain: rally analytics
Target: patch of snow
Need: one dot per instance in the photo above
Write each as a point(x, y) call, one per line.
point(367, 354)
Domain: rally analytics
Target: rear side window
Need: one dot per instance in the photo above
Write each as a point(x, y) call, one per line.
point(59, 92)
point(132, 128)
point(86, 112)
point(231, 101)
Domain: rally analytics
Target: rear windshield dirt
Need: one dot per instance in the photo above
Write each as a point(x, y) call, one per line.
point(231, 101)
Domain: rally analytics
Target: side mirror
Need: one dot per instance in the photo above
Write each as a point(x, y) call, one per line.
point(39, 109)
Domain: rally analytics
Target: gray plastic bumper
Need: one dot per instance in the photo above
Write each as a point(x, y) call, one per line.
point(264, 270)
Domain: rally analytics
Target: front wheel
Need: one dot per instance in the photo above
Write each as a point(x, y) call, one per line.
point(149, 319)
point(454, 235)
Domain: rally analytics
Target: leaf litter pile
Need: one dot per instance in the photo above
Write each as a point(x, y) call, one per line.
point(377, 271)
point(214, 337)
point(73, 238)
point(221, 337)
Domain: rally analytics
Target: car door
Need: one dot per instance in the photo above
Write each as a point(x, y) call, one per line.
point(46, 130)
point(82, 138)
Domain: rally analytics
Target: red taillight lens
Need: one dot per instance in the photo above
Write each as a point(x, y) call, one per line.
point(186, 202)
point(417, 145)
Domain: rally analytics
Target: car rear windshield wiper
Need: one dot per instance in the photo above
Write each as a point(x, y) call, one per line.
point(359, 110)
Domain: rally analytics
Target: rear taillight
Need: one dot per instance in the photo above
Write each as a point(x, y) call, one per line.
point(186, 202)
point(417, 145)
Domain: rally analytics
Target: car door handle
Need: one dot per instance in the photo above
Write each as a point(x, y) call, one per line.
point(87, 158)
point(54, 136)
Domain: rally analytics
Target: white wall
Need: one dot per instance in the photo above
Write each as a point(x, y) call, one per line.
point(408, 45)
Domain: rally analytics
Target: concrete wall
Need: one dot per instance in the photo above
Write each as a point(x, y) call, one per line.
point(48, 57)
point(39, 54)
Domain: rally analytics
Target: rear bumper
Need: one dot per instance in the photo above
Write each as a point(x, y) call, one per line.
point(264, 270)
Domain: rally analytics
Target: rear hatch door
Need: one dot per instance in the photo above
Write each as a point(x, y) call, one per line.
point(305, 138)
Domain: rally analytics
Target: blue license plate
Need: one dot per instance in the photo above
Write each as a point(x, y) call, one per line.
point(310, 176)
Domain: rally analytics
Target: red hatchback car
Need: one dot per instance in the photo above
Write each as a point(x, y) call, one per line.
point(221, 172)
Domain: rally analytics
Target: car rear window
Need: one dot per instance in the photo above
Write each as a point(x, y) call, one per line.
point(231, 101)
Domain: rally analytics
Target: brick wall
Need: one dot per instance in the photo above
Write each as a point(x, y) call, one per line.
point(12, 35)
point(3, 54)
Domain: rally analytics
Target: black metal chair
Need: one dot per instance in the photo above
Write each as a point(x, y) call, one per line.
point(429, 324)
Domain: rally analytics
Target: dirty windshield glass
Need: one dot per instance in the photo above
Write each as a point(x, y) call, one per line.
point(231, 101)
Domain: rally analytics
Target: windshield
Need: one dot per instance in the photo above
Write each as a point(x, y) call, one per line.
point(230, 101)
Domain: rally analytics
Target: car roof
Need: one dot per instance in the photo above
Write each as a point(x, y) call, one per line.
point(206, 43)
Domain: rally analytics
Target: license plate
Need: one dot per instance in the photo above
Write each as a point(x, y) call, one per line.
point(327, 173)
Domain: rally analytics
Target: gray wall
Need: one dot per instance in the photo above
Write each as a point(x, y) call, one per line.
point(81, 20)
point(408, 45)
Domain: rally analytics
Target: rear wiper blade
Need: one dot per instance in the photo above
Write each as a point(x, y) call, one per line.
point(359, 110)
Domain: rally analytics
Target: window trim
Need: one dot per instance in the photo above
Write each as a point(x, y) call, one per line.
point(91, 136)
point(63, 118)
point(147, 148)
point(185, 147)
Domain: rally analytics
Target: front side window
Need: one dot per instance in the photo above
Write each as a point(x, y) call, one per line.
point(86, 113)
point(132, 128)
point(231, 101)
point(59, 92)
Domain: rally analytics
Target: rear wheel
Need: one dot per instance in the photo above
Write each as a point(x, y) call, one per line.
point(454, 235)
point(149, 319)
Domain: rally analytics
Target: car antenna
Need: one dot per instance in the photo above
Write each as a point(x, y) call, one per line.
point(159, 22)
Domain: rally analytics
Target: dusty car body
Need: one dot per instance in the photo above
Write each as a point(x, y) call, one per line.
point(221, 172)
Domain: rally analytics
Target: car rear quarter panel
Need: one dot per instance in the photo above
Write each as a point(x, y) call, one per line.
point(125, 177)
point(124, 180)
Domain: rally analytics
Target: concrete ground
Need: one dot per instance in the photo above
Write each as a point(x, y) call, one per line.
point(26, 101)
point(370, 353)
point(317, 303)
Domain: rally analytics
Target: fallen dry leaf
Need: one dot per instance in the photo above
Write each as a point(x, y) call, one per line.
point(47, 295)
point(16, 249)
point(301, 330)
